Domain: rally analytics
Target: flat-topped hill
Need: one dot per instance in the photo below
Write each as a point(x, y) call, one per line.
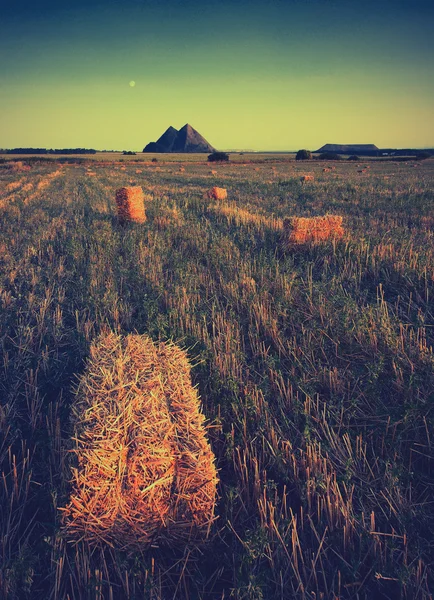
point(349, 148)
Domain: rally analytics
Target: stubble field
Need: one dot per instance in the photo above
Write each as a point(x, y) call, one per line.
point(314, 367)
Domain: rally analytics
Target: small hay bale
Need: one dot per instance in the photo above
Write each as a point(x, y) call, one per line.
point(326, 170)
point(300, 230)
point(130, 203)
point(138, 171)
point(305, 178)
point(18, 166)
point(181, 169)
point(145, 471)
point(218, 193)
point(213, 172)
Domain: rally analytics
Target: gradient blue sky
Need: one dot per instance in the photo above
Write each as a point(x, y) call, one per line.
point(262, 75)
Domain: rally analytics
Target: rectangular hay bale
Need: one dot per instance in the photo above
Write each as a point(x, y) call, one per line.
point(144, 468)
point(300, 230)
point(218, 193)
point(131, 206)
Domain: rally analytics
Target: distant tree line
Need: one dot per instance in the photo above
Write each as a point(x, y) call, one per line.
point(51, 151)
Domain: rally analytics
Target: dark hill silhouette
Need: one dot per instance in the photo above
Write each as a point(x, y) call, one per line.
point(154, 147)
point(187, 139)
point(168, 138)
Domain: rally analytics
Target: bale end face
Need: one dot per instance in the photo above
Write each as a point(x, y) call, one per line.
point(301, 230)
point(131, 206)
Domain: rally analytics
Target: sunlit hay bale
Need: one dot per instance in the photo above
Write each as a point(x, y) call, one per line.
point(218, 193)
point(213, 172)
point(17, 166)
point(138, 171)
point(326, 170)
point(300, 230)
point(181, 169)
point(145, 470)
point(131, 206)
point(306, 178)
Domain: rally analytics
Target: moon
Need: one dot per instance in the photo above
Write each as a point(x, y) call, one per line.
point(132, 83)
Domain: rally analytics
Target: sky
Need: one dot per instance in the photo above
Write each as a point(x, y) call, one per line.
point(247, 74)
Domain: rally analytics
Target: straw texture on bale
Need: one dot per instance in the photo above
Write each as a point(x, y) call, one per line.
point(218, 193)
point(145, 470)
point(130, 203)
point(305, 178)
point(299, 230)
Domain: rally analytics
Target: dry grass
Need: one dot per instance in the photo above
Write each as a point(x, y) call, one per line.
point(239, 216)
point(317, 379)
point(130, 203)
point(13, 185)
point(168, 216)
point(145, 468)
